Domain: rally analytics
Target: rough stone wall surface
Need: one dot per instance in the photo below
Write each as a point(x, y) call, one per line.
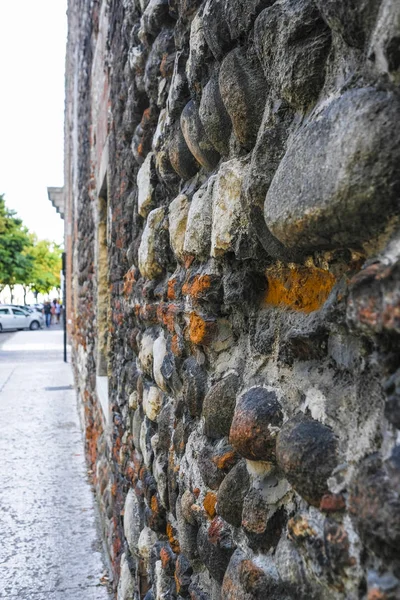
point(253, 187)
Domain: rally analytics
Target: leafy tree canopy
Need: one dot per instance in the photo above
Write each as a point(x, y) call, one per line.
point(24, 259)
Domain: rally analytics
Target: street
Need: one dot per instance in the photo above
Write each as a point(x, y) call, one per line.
point(50, 545)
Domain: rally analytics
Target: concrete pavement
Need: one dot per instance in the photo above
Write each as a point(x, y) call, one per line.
point(50, 548)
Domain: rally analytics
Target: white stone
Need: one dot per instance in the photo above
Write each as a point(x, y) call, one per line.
point(198, 228)
point(147, 452)
point(152, 402)
point(228, 217)
point(132, 521)
point(126, 583)
point(145, 187)
point(147, 540)
point(159, 352)
point(146, 353)
point(149, 261)
point(133, 401)
point(178, 216)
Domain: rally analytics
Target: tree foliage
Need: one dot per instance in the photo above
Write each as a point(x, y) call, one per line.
point(15, 263)
point(24, 259)
point(46, 261)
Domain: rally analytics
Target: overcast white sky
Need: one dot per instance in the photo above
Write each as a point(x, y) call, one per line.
point(32, 54)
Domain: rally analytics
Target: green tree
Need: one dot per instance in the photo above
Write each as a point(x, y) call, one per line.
point(15, 240)
point(46, 266)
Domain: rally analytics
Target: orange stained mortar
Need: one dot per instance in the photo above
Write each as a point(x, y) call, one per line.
point(226, 460)
point(172, 539)
point(299, 288)
point(197, 286)
point(129, 281)
point(209, 504)
point(200, 330)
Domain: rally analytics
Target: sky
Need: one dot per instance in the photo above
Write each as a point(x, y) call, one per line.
point(33, 37)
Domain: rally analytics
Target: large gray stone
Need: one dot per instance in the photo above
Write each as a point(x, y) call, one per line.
point(352, 19)
point(292, 42)
point(339, 182)
point(243, 90)
point(214, 117)
point(196, 137)
point(385, 42)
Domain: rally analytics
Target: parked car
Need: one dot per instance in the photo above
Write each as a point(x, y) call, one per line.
point(28, 308)
point(13, 317)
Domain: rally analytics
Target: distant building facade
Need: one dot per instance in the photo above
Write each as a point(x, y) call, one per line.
point(232, 214)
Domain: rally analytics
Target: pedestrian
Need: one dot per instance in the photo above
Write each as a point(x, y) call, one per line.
point(53, 311)
point(47, 313)
point(58, 312)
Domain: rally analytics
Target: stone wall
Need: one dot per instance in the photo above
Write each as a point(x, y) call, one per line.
point(248, 154)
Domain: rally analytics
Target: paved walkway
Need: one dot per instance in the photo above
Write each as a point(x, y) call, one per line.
point(49, 544)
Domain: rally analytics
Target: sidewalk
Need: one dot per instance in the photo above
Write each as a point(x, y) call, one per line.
point(49, 545)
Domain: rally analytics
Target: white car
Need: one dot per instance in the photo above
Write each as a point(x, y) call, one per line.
point(12, 317)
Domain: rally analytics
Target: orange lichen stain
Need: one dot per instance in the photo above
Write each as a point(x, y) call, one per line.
point(197, 286)
point(196, 492)
point(129, 281)
point(376, 594)
point(176, 346)
point(154, 504)
point(172, 539)
point(300, 288)
point(226, 460)
point(300, 528)
point(201, 331)
point(165, 558)
point(171, 293)
point(209, 504)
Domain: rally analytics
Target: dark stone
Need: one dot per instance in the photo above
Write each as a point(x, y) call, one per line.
point(182, 160)
point(352, 19)
point(165, 425)
point(306, 451)
point(180, 437)
point(293, 42)
point(258, 416)
point(196, 593)
point(353, 143)
point(304, 339)
point(215, 546)
point(194, 381)
point(162, 46)
point(242, 285)
point(183, 574)
point(374, 504)
point(172, 481)
point(231, 494)
point(244, 580)
point(241, 14)
point(214, 462)
point(154, 16)
point(268, 152)
point(215, 119)
point(243, 91)
point(219, 407)
point(392, 406)
point(196, 137)
point(216, 30)
point(265, 531)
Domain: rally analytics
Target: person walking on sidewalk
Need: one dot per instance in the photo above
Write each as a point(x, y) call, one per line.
point(58, 312)
point(47, 313)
